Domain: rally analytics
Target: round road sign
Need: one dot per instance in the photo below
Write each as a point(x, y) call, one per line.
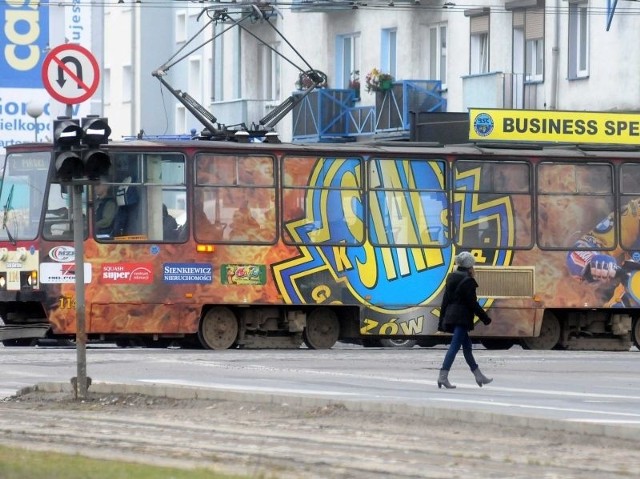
point(70, 73)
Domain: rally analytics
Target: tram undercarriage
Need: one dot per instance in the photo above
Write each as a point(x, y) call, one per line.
point(592, 330)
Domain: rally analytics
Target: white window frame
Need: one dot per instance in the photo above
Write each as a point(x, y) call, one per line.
point(180, 119)
point(437, 53)
point(347, 58)
point(218, 92)
point(578, 40)
point(269, 71)
point(181, 26)
point(479, 55)
point(106, 86)
point(534, 60)
point(195, 77)
point(127, 83)
point(480, 28)
point(388, 51)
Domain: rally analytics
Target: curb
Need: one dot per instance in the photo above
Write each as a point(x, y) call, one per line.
point(476, 417)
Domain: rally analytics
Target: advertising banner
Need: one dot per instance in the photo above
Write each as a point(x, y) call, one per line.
point(554, 126)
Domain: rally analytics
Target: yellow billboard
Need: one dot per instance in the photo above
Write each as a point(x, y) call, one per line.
point(554, 126)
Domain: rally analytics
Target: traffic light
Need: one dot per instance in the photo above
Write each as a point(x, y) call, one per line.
point(67, 135)
point(77, 148)
point(95, 132)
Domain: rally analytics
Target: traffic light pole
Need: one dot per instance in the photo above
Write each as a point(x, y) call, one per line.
point(81, 385)
point(80, 160)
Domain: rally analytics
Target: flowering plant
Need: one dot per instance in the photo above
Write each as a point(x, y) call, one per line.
point(377, 80)
point(309, 78)
point(354, 80)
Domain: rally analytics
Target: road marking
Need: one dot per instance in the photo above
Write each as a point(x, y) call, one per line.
point(235, 387)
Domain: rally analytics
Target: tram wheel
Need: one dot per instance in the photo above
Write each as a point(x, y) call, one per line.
point(497, 343)
point(322, 330)
point(218, 329)
point(398, 343)
point(549, 335)
point(635, 332)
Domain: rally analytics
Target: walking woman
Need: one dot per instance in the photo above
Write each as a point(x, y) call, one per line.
point(459, 306)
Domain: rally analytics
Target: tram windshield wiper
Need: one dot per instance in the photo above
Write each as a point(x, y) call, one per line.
point(5, 215)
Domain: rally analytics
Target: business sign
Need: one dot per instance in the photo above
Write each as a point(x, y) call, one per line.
point(70, 73)
point(127, 273)
point(245, 274)
point(187, 273)
point(62, 273)
point(24, 37)
point(554, 126)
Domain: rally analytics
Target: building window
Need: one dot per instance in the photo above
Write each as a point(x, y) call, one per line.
point(226, 74)
point(534, 44)
point(479, 47)
point(218, 92)
point(388, 51)
point(269, 71)
point(181, 27)
point(181, 119)
point(348, 58)
point(106, 86)
point(195, 78)
point(578, 41)
point(127, 83)
point(438, 53)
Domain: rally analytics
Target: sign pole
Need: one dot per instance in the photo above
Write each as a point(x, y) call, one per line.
point(81, 385)
point(71, 75)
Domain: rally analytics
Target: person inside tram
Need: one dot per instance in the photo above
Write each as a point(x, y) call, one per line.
point(169, 225)
point(105, 208)
point(244, 227)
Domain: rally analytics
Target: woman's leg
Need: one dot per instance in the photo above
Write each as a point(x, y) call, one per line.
point(467, 350)
point(456, 340)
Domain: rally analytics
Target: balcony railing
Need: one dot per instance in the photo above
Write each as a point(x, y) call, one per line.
point(331, 114)
point(393, 106)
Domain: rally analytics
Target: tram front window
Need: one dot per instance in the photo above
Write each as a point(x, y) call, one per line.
point(24, 182)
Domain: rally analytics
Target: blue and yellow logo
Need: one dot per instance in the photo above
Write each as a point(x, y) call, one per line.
point(407, 204)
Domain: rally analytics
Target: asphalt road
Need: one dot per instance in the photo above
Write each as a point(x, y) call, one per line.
point(587, 388)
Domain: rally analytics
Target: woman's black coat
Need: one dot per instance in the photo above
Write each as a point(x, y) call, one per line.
point(460, 305)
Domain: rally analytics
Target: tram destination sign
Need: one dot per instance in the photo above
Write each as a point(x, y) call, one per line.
point(541, 126)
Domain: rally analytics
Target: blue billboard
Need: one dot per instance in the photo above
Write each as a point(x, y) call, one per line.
point(24, 40)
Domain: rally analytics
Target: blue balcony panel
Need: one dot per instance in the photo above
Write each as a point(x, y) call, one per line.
point(331, 115)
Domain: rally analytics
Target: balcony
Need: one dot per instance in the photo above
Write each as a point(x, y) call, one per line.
point(330, 115)
point(500, 90)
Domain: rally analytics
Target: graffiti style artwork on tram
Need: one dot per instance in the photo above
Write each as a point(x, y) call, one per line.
point(392, 281)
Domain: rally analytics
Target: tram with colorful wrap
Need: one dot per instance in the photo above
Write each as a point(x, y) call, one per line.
point(271, 245)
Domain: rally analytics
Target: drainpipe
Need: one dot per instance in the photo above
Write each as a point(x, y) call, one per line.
point(555, 53)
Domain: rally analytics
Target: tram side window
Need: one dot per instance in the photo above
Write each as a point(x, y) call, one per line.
point(235, 199)
point(58, 219)
point(407, 203)
point(630, 206)
point(144, 199)
point(573, 199)
point(322, 200)
point(492, 204)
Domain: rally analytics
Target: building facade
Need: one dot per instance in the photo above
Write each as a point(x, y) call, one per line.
point(523, 54)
